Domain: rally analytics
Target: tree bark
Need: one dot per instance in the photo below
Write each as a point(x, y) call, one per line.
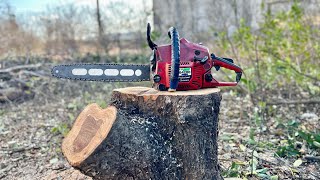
point(154, 135)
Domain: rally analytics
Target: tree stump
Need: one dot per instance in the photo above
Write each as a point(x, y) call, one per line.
point(154, 135)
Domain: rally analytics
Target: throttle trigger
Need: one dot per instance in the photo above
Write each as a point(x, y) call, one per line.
point(238, 78)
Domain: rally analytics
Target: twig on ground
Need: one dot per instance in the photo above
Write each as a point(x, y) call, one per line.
point(21, 149)
point(265, 160)
point(312, 158)
point(33, 74)
point(16, 68)
point(312, 101)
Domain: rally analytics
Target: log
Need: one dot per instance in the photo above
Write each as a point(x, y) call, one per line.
point(148, 134)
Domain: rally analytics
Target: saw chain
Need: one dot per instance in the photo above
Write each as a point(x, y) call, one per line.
point(103, 72)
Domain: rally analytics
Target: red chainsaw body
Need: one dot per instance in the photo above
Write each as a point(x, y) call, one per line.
point(192, 74)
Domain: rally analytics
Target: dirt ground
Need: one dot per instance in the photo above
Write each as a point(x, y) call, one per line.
point(31, 133)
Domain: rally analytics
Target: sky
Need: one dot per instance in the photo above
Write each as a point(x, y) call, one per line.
point(23, 6)
point(30, 11)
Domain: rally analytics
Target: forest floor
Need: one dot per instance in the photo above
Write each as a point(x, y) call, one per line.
point(277, 146)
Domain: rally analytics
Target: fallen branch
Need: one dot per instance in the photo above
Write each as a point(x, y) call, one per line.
point(16, 68)
point(312, 158)
point(22, 149)
point(31, 73)
point(312, 101)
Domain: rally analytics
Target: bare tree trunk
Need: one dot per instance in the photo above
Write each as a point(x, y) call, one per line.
point(101, 36)
point(100, 28)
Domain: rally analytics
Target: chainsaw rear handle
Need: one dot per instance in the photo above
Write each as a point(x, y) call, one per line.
point(228, 64)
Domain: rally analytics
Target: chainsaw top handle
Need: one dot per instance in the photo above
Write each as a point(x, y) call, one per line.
point(175, 58)
point(228, 64)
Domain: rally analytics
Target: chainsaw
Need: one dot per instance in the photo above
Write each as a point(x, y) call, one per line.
point(181, 65)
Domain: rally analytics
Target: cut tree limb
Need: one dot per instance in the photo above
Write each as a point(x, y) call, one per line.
point(32, 73)
point(20, 67)
point(154, 135)
point(89, 130)
point(312, 158)
point(311, 101)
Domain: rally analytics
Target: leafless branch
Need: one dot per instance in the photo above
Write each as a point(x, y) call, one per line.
point(21, 67)
point(312, 101)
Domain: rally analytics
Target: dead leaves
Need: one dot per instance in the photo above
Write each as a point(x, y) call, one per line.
point(247, 149)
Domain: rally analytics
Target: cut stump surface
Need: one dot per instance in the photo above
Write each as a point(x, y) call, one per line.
point(149, 135)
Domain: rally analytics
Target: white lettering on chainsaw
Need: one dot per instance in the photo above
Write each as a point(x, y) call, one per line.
point(138, 72)
point(111, 72)
point(126, 72)
point(95, 72)
point(79, 72)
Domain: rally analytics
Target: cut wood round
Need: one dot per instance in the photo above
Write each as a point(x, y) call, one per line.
point(89, 130)
point(154, 135)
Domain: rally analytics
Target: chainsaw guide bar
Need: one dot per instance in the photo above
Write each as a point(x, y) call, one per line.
point(103, 72)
